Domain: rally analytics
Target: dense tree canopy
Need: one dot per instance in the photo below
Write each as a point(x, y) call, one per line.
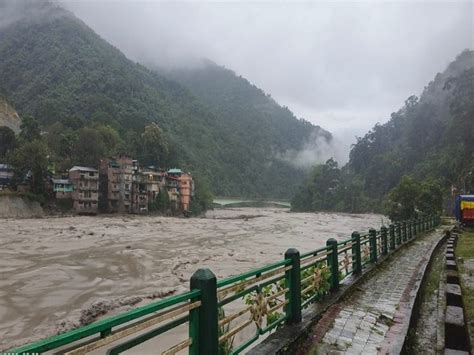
point(73, 83)
point(410, 199)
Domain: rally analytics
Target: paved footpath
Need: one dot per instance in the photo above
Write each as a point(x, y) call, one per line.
point(375, 318)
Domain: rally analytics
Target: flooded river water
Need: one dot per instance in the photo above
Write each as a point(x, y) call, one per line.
point(58, 273)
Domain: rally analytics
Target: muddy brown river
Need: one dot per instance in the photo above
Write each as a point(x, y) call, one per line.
point(58, 273)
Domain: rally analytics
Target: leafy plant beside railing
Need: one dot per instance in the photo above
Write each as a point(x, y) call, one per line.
point(318, 276)
point(268, 292)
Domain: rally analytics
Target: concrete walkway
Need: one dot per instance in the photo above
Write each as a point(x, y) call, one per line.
point(375, 319)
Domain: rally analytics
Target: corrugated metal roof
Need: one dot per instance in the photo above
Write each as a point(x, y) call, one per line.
point(83, 168)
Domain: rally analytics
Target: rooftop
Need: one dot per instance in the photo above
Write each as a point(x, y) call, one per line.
point(61, 181)
point(83, 168)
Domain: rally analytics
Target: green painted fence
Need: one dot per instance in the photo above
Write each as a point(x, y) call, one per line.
point(266, 298)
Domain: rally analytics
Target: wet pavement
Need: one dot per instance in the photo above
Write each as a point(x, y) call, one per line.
point(374, 319)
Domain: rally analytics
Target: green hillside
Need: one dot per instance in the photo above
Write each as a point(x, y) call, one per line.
point(429, 137)
point(57, 70)
point(429, 141)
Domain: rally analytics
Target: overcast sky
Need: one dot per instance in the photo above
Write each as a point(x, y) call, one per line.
point(342, 65)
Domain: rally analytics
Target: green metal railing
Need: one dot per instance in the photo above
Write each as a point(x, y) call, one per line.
point(229, 315)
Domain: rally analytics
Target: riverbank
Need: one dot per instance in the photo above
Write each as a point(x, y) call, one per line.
point(14, 205)
point(58, 273)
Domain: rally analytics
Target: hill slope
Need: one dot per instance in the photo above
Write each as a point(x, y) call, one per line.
point(430, 137)
point(54, 66)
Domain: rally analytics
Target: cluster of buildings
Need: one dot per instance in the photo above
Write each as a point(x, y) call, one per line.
point(120, 185)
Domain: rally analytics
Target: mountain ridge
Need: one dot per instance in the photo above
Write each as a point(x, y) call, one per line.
point(61, 68)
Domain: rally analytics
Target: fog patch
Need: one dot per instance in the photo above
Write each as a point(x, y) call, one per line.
point(36, 11)
point(317, 150)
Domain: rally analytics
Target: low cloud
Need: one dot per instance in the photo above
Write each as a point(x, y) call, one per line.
point(317, 150)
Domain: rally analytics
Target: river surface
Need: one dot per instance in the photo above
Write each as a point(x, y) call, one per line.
point(58, 273)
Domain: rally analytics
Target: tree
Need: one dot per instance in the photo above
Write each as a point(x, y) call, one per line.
point(202, 199)
point(31, 156)
point(402, 199)
point(161, 202)
point(30, 129)
point(154, 146)
point(411, 198)
point(89, 148)
point(430, 198)
point(8, 141)
point(319, 193)
point(110, 138)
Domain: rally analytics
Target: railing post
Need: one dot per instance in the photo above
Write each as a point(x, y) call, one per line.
point(404, 231)
point(203, 328)
point(392, 236)
point(373, 245)
point(420, 221)
point(333, 263)
point(410, 229)
point(357, 260)
point(293, 282)
point(399, 233)
point(383, 234)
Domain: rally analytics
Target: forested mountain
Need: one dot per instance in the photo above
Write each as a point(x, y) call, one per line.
point(429, 137)
point(258, 127)
point(430, 140)
point(57, 70)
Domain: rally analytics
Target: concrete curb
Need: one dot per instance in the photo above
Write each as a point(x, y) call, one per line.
point(414, 304)
point(455, 328)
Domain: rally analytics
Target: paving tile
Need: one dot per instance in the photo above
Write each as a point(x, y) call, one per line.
point(360, 326)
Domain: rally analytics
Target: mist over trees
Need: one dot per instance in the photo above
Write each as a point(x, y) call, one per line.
point(90, 101)
point(421, 152)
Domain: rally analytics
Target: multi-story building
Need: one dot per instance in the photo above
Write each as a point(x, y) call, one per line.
point(154, 183)
point(116, 184)
point(6, 175)
point(86, 189)
point(180, 188)
point(62, 188)
point(139, 190)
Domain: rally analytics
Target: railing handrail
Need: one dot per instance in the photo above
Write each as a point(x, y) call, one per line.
point(105, 324)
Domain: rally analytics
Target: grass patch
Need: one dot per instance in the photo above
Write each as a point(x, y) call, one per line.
point(465, 249)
